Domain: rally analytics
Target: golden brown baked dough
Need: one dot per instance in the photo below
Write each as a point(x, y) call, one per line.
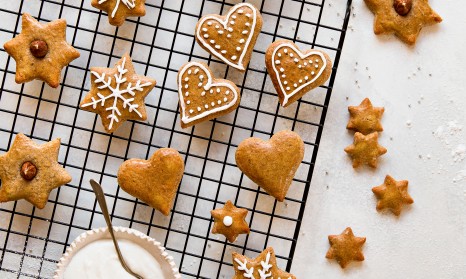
point(392, 195)
point(41, 51)
point(230, 221)
point(154, 181)
point(119, 10)
point(31, 171)
point(345, 247)
point(365, 150)
point(365, 118)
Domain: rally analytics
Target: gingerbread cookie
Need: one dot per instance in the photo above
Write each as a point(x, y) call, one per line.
point(392, 195)
point(365, 118)
point(203, 97)
point(294, 73)
point(271, 164)
point(230, 221)
point(262, 267)
point(365, 150)
point(231, 38)
point(154, 181)
point(119, 10)
point(41, 51)
point(31, 171)
point(117, 94)
point(345, 247)
point(404, 18)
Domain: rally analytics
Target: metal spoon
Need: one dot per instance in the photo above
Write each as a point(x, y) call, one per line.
point(99, 193)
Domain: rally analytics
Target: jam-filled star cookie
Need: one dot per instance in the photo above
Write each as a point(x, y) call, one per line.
point(365, 150)
point(392, 195)
point(263, 267)
point(293, 72)
point(345, 248)
point(271, 164)
point(230, 221)
point(231, 38)
point(203, 97)
point(31, 171)
point(119, 10)
point(117, 94)
point(154, 181)
point(404, 18)
point(365, 118)
point(41, 51)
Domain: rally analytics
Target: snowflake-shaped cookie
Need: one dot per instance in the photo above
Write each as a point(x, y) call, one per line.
point(117, 94)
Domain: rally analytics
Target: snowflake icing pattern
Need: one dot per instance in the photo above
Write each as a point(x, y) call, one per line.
point(117, 93)
point(249, 272)
point(129, 3)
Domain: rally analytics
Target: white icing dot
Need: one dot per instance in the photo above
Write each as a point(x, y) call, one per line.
point(206, 106)
point(189, 72)
point(241, 41)
point(317, 66)
point(233, 16)
point(204, 29)
point(279, 54)
point(219, 102)
point(217, 26)
point(238, 48)
point(296, 60)
point(211, 91)
point(285, 50)
point(230, 29)
point(218, 90)
point(247, 24)
point(201, 77)
point(191, 111)
point(228, 35)
point(220, 32)
point(295, 85)
point(188, 102)
point(196, 71)
point(285, 82)
point(282, 70)
point(227, 221)
point(233, 57)
point(212, 41)
point(225, 99)
point(199, 108)
point(217, 46)
point(223, 51)
point(248, 15)
point(310, 61)
point(283, 76)
point(209, 23)
point(277, 62)
point(291, 54)
point(212, 104)
point(206, 36)
point(232, 22)
point(300, 81)
point(203, 93)
point(240, 11)
point(306, 77)
point(186, 86)
point(200, 84)
point(228, 92)
point(287, 88)
point(186, 94)
point(305, 63)
point(317, 60)
point(312, 73)
point(245, 32)
point(299, 66)
point(186, 79)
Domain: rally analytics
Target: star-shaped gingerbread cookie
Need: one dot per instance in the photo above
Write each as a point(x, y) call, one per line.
point(404, 18)
point(41, 51)
point(119, 10)
point(392, 195)
point(31, 171)
point(230, 221)
point(345, 247)
point(117, 94)
point(365, 150)
point(263, 267)
point(365, 118)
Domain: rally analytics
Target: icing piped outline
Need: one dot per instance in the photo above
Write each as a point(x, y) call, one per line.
point(277, 73)
point(238, 65)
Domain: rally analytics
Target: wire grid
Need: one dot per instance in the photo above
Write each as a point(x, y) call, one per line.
point(31, 240)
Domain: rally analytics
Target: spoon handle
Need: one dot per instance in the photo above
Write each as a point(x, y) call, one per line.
point(99, 193)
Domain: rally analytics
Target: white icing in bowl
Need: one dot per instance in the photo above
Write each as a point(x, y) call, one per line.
point(92, 255)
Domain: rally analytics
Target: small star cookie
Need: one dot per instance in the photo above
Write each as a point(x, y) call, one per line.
point(345, 247)
point(41, 51)
point(31, 171)
point(392, 195)
point(365, 149)
point(117, 94)
point(230, 221)
point(263, 267)
point(404, 18)
point(365, 118)
point(119, 10)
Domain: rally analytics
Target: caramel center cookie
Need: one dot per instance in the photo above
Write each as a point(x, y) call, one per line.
point(153, 181)
point(271, 164)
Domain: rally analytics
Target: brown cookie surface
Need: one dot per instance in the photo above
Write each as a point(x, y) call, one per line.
point(31, 171)
point(365, 150)
point(41, 51)
point(231, 38)
point(365, 118)
point(117, 94)
point(203, 97)
point(230, 221)
point(271, 164)
point(404, 18)
point(293, 72)
point(392, 195)
point(345, 247)
point(119, 10)
point(154, 181)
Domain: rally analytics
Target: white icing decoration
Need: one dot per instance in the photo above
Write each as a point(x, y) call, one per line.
point(117, 93)
point(130, 4)
point(288, 95)
point(208, 85)
point(237, 8)
point(265, 268)
point(264, 271)
point(242, 266)
point(227, 221)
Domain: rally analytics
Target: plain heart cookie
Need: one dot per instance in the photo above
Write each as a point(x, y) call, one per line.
point(154, 181)
point(294, 73)
point(202, 97)
point(231, 38)
point(271, 164)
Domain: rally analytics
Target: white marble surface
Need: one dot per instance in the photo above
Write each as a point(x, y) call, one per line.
point(422, 89)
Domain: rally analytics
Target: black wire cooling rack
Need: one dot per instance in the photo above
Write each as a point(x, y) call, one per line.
point(32, 240)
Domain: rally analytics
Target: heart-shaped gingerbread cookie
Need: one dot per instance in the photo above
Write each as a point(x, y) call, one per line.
point(203, 97)
point(231, 38)
point(294, 73)
point(271, 164)
point(154, 181)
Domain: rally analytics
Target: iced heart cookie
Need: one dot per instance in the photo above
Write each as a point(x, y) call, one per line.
point(271, 164)
point(154, 181)
point(231, 38)
point(294, 73)
point(203, 97)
